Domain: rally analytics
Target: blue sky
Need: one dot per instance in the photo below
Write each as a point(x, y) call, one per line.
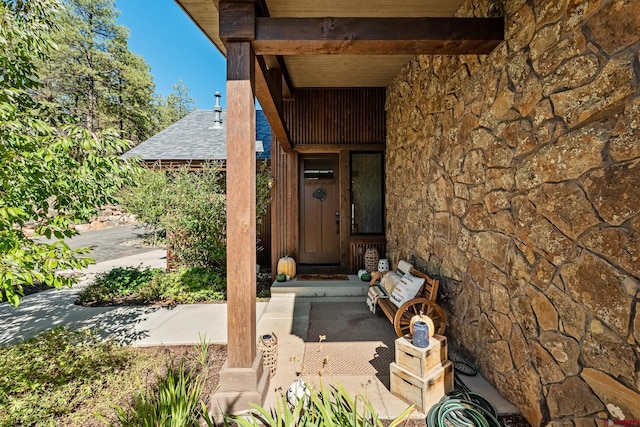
point(174, 47)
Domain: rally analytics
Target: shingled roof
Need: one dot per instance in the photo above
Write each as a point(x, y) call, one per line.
point(195, 138)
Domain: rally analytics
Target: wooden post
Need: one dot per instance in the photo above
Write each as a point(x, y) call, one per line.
point(242, 379)
point(241, 205)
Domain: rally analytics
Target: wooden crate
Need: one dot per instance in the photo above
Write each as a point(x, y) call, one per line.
point(419, 361)
point(423, 392)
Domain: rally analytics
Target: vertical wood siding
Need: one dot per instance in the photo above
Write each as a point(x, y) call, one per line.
point(284, 204)
point(336, 116)
point(358, 249)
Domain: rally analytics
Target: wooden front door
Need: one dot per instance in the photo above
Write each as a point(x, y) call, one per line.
point(319, 210)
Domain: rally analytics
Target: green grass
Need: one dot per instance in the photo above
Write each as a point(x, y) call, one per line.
point(65, 378)
point(144, 286)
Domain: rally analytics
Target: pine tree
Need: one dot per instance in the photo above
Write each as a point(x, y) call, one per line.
point(174, 107)
point(93, 75)
point(130, 106)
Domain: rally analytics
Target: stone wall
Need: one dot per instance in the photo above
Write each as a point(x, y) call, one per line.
point(108, 216)
point(517, 180)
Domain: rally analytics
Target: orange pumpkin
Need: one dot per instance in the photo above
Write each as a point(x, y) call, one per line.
point(287, 266)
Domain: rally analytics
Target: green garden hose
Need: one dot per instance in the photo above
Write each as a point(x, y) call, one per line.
point(455, 412)
point(463, 408)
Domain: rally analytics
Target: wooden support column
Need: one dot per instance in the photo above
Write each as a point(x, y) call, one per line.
point(242, 379)
point(241, 205)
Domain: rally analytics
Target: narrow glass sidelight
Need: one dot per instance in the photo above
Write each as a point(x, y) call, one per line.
point(367, 193)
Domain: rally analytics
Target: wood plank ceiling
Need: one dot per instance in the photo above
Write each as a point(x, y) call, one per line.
point(335, 70)
point(337, 43)
point(353, 70)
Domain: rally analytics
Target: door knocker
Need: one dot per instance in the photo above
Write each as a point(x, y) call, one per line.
point(319, 194)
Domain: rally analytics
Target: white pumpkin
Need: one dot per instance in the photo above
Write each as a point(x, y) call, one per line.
point(298, 391)
point(287, 266)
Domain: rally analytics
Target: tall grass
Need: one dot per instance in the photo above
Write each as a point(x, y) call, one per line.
point(317, 408)
point(176, 403)
point(64, 378)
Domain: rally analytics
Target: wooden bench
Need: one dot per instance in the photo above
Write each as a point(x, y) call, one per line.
point(423, 302)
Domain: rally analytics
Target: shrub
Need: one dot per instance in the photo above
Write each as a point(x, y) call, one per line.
point(190, 207)
point(147, 199)
point(186, 286)
point(117, 283)
point(196, 218)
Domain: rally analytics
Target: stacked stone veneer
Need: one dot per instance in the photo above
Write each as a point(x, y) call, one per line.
point(515, 178)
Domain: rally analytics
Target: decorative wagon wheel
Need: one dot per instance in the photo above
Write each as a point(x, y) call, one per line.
point(402, 319)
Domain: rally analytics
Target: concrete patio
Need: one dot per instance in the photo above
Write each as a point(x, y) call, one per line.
point(287, 315)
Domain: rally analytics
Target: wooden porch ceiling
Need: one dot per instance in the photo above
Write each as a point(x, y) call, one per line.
point(307, 41)
point(337, 43)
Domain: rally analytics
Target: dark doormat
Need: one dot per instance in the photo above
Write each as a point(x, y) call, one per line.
point(357, 341)
point(312, 277)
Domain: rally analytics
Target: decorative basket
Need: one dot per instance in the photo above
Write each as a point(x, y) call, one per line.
point(371, 258)
point(268, 345)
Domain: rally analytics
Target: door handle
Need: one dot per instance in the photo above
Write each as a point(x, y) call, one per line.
point(337, 222)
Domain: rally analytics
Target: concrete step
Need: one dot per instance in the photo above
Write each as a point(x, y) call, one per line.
point(354, 287)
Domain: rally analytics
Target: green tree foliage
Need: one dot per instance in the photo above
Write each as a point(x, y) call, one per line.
point(129, 107)
point(190, 206)
point(52, 172)
point(175, 106)
point(179, 101)
point(95, 76)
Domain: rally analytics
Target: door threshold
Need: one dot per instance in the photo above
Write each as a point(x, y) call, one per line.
point(321, 269)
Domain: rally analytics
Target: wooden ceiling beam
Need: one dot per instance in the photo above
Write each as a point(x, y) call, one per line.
point(287, 84)
point(237, 23)
point(377, 36)
point(273, 62)
point(269, 94)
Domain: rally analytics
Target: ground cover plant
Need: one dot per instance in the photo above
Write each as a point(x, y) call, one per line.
point(65, 378)
point(131, 285)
